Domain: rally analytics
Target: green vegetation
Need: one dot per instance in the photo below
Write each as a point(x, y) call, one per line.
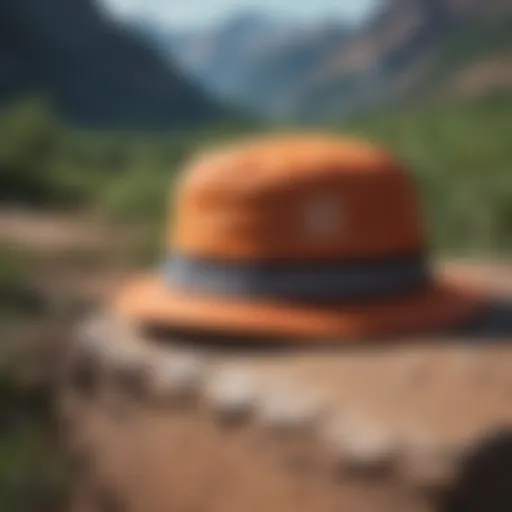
point(124, 175)
point(32, 474)
point(16, 297)
point(461, 154)
point(462, 158)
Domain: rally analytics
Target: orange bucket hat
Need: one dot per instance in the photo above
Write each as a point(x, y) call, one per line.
point(302, 236)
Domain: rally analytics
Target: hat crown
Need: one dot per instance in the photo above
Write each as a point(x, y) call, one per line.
point(297, 197)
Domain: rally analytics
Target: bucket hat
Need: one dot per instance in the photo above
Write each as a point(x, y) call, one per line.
point(300, 236)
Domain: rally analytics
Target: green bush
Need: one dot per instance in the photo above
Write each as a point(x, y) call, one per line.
point(48, 164)
point(33, 473)
point(461, 156)
point(134, 196)
point(16, 297)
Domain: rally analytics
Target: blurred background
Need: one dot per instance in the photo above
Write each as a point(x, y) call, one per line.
point(102, 101)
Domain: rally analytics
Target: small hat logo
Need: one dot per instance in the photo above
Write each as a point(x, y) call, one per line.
point(322, 218)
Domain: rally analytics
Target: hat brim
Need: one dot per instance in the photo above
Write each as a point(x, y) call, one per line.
point(151, 302)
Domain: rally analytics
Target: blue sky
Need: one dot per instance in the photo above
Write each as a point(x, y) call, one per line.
point(180, 13)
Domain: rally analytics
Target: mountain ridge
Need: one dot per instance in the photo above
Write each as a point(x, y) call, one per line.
point(95, 70)
point(400, 48)
point(323, 71)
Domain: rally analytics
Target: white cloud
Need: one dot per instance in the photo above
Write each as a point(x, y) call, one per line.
point(197, 12)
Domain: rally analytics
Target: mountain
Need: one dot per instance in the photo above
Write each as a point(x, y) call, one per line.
point(409, 52)
point(96, 72)
point(281, 65)
point(250, 59)
point(414, 50)
point(220, 55)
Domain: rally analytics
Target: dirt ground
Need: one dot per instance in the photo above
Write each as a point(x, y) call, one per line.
point(133, 453)
point(138, 455)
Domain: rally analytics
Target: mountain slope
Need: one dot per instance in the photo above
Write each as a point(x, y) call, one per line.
point(281, 65)
point(411, 51)
point(251, 59)
point(96, 72)
point(220, 56)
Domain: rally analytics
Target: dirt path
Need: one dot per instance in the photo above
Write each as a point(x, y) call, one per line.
point(51, 232)
point(71, 264)
point(70, 255)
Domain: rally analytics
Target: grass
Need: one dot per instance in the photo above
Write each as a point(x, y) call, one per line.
point(17, 299)
point(461, 156)
point(32, 472)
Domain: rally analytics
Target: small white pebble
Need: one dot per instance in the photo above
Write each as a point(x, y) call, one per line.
point(127, 365)
point(88, 337)
point(232, 394)
point(358, 445)
point(177, 376)
point(120, 355)
point(100, 337)
point(289, 410)
point(88, 330)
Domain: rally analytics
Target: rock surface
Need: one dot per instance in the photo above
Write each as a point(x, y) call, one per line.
point(392, 431)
